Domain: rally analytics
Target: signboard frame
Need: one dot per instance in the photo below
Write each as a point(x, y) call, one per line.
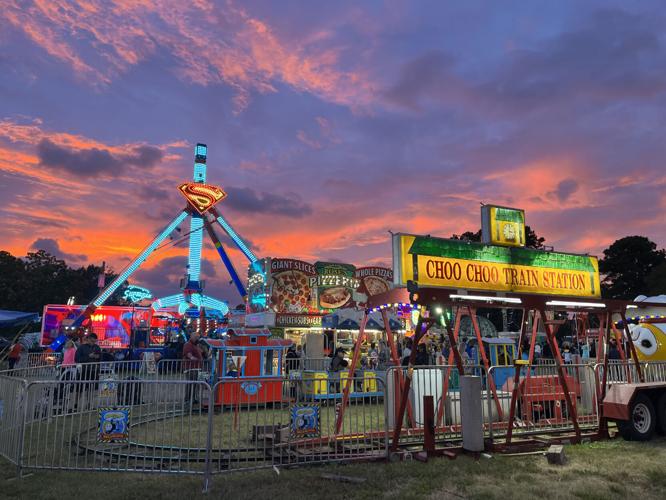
point(446, 263)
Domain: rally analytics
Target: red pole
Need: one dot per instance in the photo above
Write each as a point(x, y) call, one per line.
point(550, 334)
point(396, 362)
point(418, 335)
point(486, 364)
point(350, 375)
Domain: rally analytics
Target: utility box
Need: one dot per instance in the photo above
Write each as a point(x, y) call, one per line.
point(471, 413)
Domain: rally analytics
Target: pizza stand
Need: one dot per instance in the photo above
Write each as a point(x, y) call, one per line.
point(292, 297)
point(435, 275)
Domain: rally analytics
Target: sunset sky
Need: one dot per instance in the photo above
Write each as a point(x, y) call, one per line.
point(328, 124)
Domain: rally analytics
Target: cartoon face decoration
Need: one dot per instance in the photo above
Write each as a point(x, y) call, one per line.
point(649, 340)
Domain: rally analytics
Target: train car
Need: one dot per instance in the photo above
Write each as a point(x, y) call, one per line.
point(249, 364)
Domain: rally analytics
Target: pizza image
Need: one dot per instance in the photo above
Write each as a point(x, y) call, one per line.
point(332, 298)
point(375, 285)
point(290, 292)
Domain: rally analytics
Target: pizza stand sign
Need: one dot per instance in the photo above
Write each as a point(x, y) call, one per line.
point(335, 284)
point(445, 263)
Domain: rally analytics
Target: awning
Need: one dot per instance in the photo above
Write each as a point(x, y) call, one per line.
point(350, 319)
point(13, 318)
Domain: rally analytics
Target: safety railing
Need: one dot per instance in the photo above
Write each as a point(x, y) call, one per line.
point(442, 383)
point(187, 427)
point(12, 396)
point(544, 403)
point(623, 372)
point(143, 369)
point(142, 426)
point(262, 422)
point(33, 359)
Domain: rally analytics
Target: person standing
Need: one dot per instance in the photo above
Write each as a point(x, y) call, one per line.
point(374, 356)
point(14, 355)
point(291, 363)
point(88, 355)
point(69, 353)
point(192, 361)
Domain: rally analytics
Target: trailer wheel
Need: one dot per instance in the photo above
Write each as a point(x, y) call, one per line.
point(661, 414)
point(642, 420)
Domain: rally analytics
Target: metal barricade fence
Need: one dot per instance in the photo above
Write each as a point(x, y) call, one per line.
point(12, 397)
point(541, 403)
point(33, 359)
point(263, 422)
point(315, 364)
point(442, 382)
point(655, 371)
point(81, 425)
point(623, 372)
point(170, 369)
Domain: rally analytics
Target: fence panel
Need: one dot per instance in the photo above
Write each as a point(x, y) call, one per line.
point(150, 425)
point(442, 382)
point(12, 401)
point(33, 359)
point(541, 406)
point(263, 422)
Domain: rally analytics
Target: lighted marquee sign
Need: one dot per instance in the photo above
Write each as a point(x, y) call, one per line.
point(457, 264)
point(503, 226)
point(134, 294)
point(201, 196)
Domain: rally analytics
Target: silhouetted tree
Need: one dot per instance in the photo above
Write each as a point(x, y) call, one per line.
point(532, 240)
point(626, 265)
point(656, 281)
point(40, 278)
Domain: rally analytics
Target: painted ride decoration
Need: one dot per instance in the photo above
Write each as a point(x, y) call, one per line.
point(648, 328)
point(250, 363)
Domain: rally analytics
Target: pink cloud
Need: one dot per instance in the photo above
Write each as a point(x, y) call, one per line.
point(211, 45)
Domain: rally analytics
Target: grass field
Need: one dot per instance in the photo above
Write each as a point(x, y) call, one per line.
point(609, 469)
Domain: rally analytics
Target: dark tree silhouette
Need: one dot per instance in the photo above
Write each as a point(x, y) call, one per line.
point(626, 265)
point(532, 240)
point(656, 281)
point(29, 283)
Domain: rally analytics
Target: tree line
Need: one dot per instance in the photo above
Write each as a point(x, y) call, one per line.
point(630, 266)
point(29, 283)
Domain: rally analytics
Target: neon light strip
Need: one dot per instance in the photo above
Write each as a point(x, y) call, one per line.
point(216, 304)
point(237, 239)
point(509, 300)
point(566, 303)
point(169, 301)
point(194, 259)
point(108, 291)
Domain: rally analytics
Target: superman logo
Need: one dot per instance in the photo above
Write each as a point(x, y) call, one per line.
point(201, 196)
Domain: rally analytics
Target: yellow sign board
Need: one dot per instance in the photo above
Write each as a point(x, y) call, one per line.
point(457, 264)
point(503, 226)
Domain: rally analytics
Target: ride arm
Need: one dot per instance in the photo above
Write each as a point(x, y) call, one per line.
point(133, 266)
point(225, 259)
point(238, 241)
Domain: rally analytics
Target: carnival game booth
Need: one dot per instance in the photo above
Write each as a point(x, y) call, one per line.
point(252, 363)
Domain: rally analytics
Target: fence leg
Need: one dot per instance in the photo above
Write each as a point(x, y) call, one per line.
point(429, 425)
point(209, 441)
